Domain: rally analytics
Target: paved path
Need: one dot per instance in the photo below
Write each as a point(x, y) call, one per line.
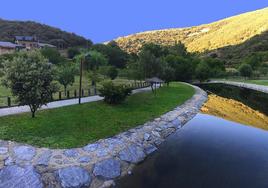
point(56, 104)
point(244, 85)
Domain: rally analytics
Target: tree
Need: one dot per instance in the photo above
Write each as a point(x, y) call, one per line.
point(168, 74)
point(112, 72)
point(72, 52)
point(114, 54)
point(29, 75)
point(66, 75)
point(93, 61)
point(52, 55)
point(202, 71)
point(245, 70)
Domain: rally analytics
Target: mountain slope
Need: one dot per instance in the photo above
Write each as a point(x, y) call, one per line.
point(45, 33)
point(230, 31)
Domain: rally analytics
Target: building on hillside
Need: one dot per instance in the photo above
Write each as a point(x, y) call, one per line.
point(45, 45)
point(8, 47)
point(29, 42)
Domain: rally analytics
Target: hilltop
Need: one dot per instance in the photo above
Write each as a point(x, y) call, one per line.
point(45, 33)
point(208, 37)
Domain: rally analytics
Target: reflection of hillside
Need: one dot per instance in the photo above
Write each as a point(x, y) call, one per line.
point(231, 31)
point(235, 111)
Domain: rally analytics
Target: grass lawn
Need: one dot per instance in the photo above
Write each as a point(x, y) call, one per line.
point(258, 82)
point(77, 125)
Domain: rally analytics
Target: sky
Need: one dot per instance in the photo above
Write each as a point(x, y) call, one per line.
point(104, 20)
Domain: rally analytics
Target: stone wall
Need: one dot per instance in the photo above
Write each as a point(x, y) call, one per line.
point(96, 164)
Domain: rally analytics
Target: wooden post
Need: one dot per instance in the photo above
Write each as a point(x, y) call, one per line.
point(59, 95)
point(75, 94)
point(88, 92)
point(82, 93)
point(8, 101)
point(68, 94)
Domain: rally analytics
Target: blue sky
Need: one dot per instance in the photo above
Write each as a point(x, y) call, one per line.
point(102, 20)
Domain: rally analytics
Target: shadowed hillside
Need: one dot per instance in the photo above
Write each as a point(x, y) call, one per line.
point(231, 31)
point(45, 33)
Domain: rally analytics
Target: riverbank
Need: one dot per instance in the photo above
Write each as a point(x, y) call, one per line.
point(96, 164)
point(255, 87)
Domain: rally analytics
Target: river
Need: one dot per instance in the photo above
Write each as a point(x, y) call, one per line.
point(210, 151)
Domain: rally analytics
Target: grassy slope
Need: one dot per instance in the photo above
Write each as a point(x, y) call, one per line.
point(230, 31)
point(78, 125)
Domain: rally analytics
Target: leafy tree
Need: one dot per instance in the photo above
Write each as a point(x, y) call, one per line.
point(66, 75)
point(112, 72)
point(202, 71)
point(245, 70)
point(72, 52)
point(52, 55)
point(30, 78)
point(178, 49)
point(114, 54)
point(154, 49)
point(168, 74)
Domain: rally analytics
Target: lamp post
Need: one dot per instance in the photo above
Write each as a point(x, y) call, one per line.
point(80, 81)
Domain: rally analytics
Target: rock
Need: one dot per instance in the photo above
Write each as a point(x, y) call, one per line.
point(150, 149)
point(101, 152)
point(44, 158)
point(18, 177)
point(107, 169)
point(158, 129)
point(3, 150)
point(133, 154)
point(107, 184)
point(24, 152)
point(9, 161)
point(57, 157)
point(91, 147)
point(146, 136)
point(74, 177)
point(71, 153)
point(156, 134)
point(84, 159)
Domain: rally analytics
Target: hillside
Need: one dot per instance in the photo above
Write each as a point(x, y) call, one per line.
point(230, 31)
point(45, 33)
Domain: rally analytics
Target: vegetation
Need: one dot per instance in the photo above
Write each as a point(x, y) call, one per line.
point(77, 125)
point(245, 70)
point(231, 31)
point(53, 55)
point(66, 75)
point(114, 94)
point(45, 33)
point(30, 77)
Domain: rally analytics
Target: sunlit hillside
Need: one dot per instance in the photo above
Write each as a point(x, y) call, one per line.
point(231, 31)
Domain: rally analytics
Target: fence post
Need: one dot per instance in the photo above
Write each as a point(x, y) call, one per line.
point(68, 94)
point(59, 95)
point(88, 92)
point(8, 101)
point(95, 91)
point(75, 94)
point(82, 92)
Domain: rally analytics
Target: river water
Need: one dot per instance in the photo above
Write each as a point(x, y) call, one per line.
point(209, 152)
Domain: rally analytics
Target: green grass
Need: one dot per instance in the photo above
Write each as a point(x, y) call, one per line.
point(263, 81)
point(77, 125)
point(258, 82)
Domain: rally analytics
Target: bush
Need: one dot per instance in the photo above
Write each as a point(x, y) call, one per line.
point(114, 94)
point(245, 70)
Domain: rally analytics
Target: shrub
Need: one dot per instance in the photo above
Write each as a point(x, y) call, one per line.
point(114, 94)
point(245, 70)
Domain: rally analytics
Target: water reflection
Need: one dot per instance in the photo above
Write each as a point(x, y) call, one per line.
point(207, 152)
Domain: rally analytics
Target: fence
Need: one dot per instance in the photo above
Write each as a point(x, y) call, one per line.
point(8, 101)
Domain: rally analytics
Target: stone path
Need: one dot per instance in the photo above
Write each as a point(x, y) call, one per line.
point(244, 85)
point(96, 164)
point(57, 104)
